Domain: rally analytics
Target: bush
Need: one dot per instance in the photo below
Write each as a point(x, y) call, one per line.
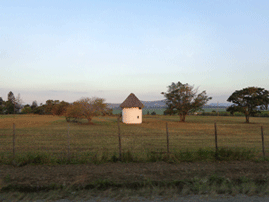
point(26, 110)
point(153, 113)
point(238, 114)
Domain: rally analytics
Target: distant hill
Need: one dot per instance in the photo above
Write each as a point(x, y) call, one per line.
point(161, 104)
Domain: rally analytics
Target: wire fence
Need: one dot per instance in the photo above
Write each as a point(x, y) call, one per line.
point(140, 142)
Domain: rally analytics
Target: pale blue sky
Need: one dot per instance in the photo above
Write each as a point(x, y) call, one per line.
point(66, 50)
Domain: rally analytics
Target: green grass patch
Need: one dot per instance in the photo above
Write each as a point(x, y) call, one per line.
point(208, 155)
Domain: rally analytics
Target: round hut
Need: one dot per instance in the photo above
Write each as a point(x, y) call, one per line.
point(132, 110)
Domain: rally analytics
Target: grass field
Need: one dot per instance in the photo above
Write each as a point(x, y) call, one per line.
point(99, 141)
point(44, 140)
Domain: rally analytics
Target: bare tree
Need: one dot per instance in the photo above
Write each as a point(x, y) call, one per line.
point(86, 108)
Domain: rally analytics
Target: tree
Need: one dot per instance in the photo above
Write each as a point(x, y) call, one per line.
point(13, 105)
point(265, 104)
point(59, 109)
point(11, 97)
point(169, 111)
point(86, 108)
point(34, 105)
point(2, 105)
point(39, 110)
point(107, 112)
point(48, 107)
point(248, 100)
point(26, 109)
point(184, 99)
point(73, 111)
point(18, 103)
point(9, 105)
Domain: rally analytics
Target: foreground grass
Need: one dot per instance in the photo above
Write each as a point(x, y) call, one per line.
point(211, 185)
point(44, 139)
point(202, 154)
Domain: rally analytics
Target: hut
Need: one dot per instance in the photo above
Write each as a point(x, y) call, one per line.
point(132, 110)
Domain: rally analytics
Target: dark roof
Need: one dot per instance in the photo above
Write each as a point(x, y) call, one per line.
point(131, 101)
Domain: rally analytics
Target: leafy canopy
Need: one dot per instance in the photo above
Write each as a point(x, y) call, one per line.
point(184, 99)
point(248, 100)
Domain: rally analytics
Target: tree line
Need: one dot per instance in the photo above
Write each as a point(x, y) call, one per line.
point(85, 108)
point(181, 99)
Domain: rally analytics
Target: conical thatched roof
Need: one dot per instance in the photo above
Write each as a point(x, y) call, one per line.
point(131, 101)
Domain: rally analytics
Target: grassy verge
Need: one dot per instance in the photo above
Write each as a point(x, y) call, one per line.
point(202, 154)
point(213, 184)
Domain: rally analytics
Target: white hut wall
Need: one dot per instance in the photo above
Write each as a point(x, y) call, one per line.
point(132, 115)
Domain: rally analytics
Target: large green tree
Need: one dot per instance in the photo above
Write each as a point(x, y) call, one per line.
point(183, 99)
point(248, 101)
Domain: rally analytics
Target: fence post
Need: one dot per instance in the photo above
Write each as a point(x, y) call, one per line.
point(119, 139)
point(14, 128)
point(68, 137)
point(167, 138)
point(216, 138)
point(263, 152)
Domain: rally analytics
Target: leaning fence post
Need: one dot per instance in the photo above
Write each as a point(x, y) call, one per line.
point(216, 138)
point(167, 135)
point(14, 141)
point(263, 152)
point(119, 139)
point(68, 146)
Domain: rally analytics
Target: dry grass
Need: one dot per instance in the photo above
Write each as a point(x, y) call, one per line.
point(26, 121)
point(49, 134)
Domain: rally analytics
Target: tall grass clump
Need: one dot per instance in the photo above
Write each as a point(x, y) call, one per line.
point(227, 154)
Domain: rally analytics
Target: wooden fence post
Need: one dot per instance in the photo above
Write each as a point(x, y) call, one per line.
point(119, 139)
point(68, 146)
point(14, 128)
point(216, 138)
point(263, 152)
point(167, 134)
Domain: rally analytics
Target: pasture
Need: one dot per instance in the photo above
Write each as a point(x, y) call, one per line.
point(48, 135)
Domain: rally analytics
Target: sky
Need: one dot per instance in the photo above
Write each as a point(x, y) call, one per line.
point(66, 50)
